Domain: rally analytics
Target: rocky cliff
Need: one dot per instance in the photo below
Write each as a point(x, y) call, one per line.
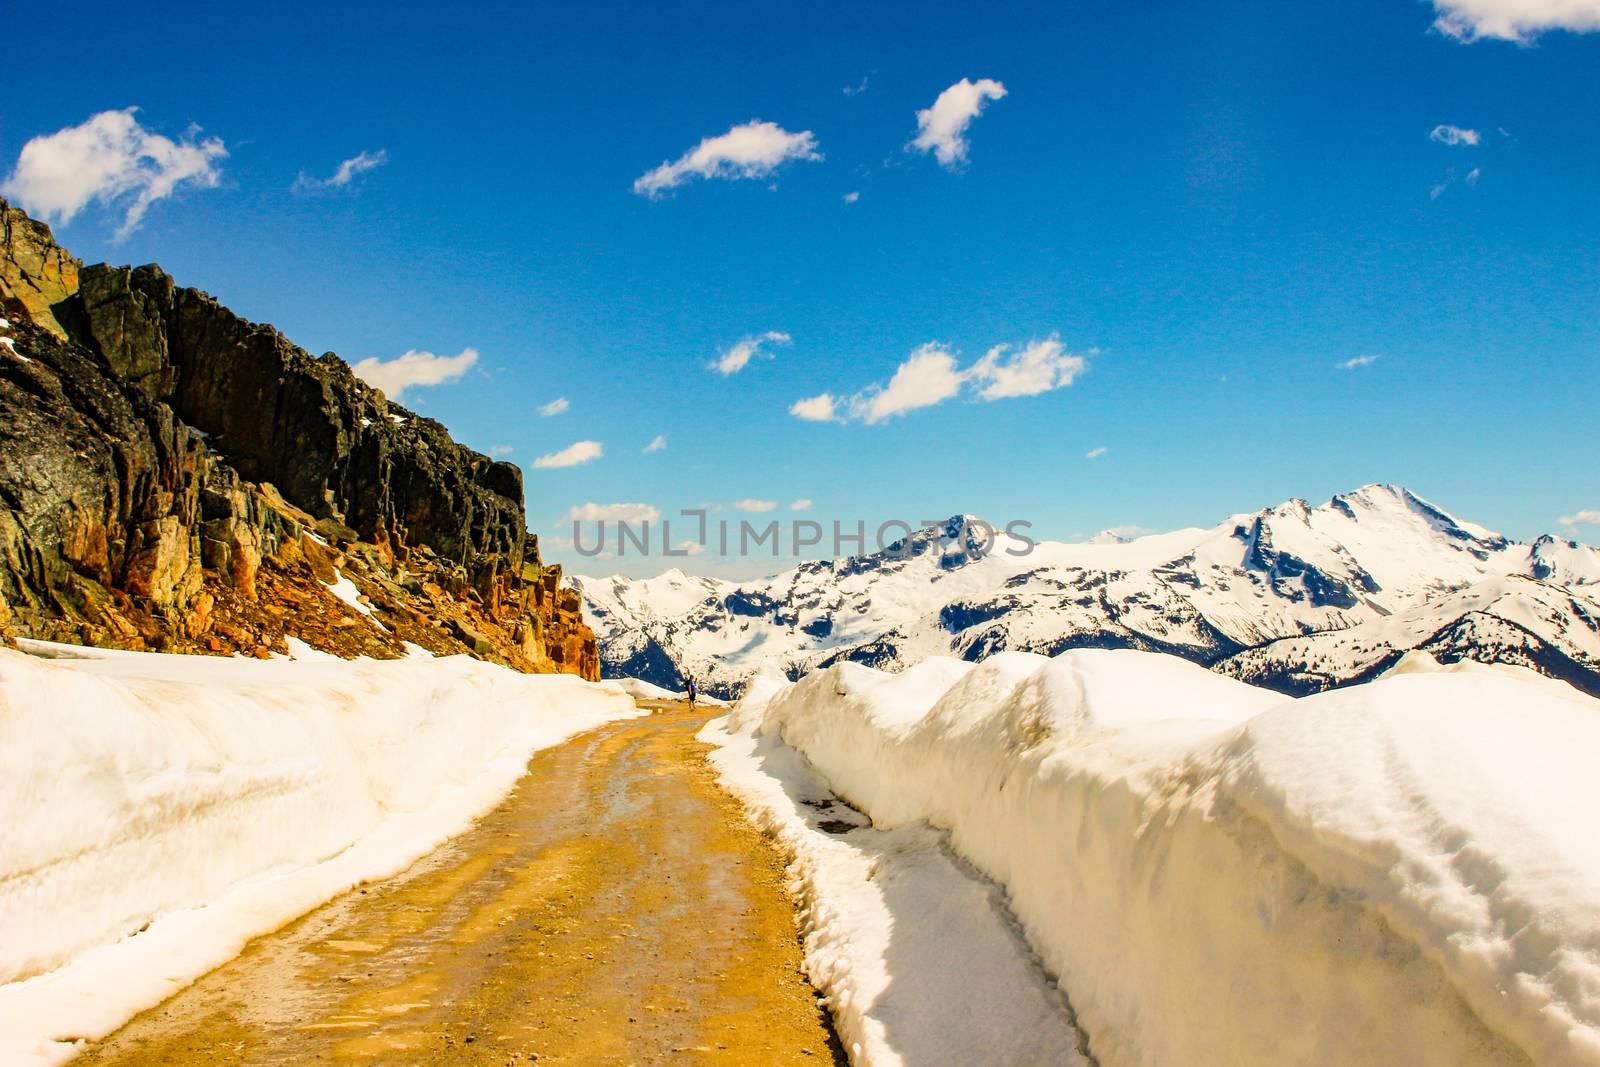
point(175, 477)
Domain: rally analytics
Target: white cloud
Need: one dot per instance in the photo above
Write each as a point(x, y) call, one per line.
point(755, 505)
point(1037, 368)
point(657, 443)
point(592, 512)
point(1513, 20)
point(803, 504)
point(1454, 135)
point(1359, 361)
point(306, 185)
point(819, 408)
point(929, 377)
point(1472, 177)
point(851, 197)
point(555, 407)
point(395, 376)
point(734, 359)
point(501, 450)
point(110, 158)
point(574, 454)
point(754, 150)
point(1096, 453)
point(859, 87)
point(1586, 517)
point(942, 128)
point(691, 548)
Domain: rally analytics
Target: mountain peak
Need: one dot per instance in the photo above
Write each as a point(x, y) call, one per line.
point(1276, 574)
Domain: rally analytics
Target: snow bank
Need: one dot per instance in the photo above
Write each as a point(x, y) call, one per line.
point(196, 802)
point(639, 689)
point(917, 955)
point(1406, 871)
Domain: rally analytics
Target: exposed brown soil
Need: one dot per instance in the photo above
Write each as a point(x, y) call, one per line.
point(616, 909)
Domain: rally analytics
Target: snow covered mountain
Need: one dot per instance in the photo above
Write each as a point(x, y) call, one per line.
point(1293, 596)
point(616, 604)
point(1514, 619)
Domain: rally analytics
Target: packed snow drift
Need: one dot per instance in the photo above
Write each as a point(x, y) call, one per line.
point(161, 810)
point(639, 689)
point(1402, 871)
point(917, 955)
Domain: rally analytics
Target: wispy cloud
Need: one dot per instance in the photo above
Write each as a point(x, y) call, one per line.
point(555, 407)
point(1454, 135)
point(755, 505)
point(819, 408)
point(113, 160)
point(1470, 180)
point(1359, 361)
point(942, 128)
point(858, 88)
point(657, 443)
point(754, 150)
point(1513, 20)
point(932, 374)
point(851, 197)
point(803, 504)
point(1585, 517)
point(737, 356)
point(592, 512)
point(501, 450)
point(579, 452)
point(1035, 368)
point(407, 371)
point(306, 185)
point(1096, 453)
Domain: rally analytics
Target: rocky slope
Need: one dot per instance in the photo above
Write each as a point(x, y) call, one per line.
point(1295, 597)
point(175, 477)
point(1515, 619)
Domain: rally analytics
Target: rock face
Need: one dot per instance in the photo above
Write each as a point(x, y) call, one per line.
point(173, 476)
point(35, 273)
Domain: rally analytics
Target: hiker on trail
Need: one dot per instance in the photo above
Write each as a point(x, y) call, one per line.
point(688, 685)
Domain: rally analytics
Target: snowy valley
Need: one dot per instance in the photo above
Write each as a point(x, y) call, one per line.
point(1293, 597)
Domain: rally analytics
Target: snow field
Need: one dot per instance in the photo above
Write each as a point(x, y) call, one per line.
point(1400, 872)
point(162, 810)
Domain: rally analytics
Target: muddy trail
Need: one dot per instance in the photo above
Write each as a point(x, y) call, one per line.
point(615, 909)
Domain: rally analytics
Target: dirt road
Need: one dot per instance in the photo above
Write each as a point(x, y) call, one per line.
point(616, 909)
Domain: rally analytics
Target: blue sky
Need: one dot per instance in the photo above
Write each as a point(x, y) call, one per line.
point(1215, 206)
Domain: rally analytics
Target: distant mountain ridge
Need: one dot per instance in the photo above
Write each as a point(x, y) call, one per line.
point(1295, 597)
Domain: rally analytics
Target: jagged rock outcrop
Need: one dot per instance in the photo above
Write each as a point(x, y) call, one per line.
point(173, 476)
point(35, 273)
